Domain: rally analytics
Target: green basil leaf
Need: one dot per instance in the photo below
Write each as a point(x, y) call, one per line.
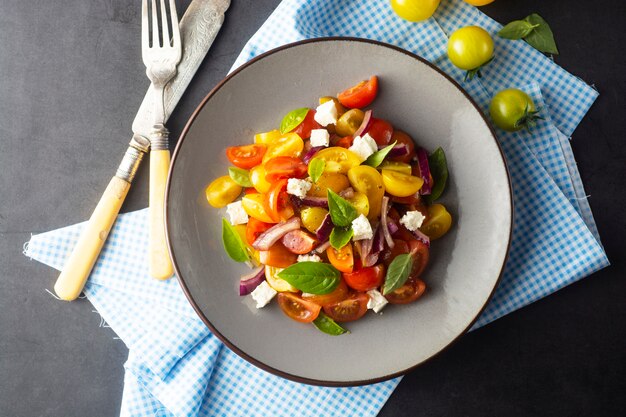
point(398, 272)
point(327, 325)
point(233, 245)
point(240, 176)
point(378, 157)
point(341, 211)
point(316, 168)
point(439, 170)
point(312, 277)
point(541, 37)
point(293, 119)
point(517, 29)
point(340, 236)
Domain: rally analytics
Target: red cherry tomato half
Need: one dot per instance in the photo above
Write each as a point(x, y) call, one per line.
point(345, 142)
point(361, 95)
point(338, 294)
point(277, 256)
point(277, 203)
point(298, 309)
point(255, 228)
point(421, 254)
point(304, 129)
point(403, 138)
point(365, 279)
point(381, 131)
point(413, 289)
point(350, 309)
point(284, 167)
point(299, 242)
point(246, 156)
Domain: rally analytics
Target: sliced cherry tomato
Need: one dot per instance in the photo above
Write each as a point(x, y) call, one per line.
point(257, 177)
point(338, 294)
point(299, 242)
point(267, 137)
point(338, 159)
point(254, 205)
point(246, 156)
point(284, 167)
point(380, 130)
point(399, 248)
point(222, 191)
point(341, 259)
point(365, 279)
point(396, 166)
point(255, 228)
point(304, 129)
point(278, 256)
point(349, 122)
point(345, 142)
point(298, 309)
point(350, 309)
point(291, 144)
point(399, 184)
point(412, 289)
point(438, 222)
point(361, 95)
point(368, 181)
point(335, 182)
point(277, 203)
point(312, 218)
point(278, 284)
point(421, 253)
point(403, 138)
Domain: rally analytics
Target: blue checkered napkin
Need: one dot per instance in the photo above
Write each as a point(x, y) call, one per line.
point(176, 367)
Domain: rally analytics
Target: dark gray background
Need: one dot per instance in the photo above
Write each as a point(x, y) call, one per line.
point(71, 80)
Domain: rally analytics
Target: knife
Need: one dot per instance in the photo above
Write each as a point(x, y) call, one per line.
point(199, 27)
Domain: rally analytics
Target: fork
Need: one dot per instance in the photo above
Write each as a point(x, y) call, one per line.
point(161, 54)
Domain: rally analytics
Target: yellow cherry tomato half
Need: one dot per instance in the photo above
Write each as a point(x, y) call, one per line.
point(291, 144)
point(267, 137)
point(336, 182)
point(222, 191)
point(278, 284)
point(257, 177)
point(349, 122)
point(396, 166)
point(254, 205)
point(479, 2)
point(338, 160)
point(367, 180)
point(312, 218)
point(438, 222)
point(414, 10)
point(470, 47)
point(361, 203)
point(401, 185)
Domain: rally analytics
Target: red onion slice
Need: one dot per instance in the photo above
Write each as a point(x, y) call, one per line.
point(250, 281)
point(314, 202)
point(392, 226)
point(400, 149)
point(383, 221)
point(422, 163)
point(322, 248)
point(367, 118)
point(323, 232)
point(274, 233)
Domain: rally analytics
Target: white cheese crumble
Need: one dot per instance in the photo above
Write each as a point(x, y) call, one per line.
point(236, 213)
point(362, 228)
point(412, 220)
point(364, 146)
point(263, 294)
point(377, 301)
point(297, 187)
point(320, 137)
point(326, 114)
point(309, 258)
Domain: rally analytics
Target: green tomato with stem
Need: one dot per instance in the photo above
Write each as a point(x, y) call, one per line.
point(513, 110)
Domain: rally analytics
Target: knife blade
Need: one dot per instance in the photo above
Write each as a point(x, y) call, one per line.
point(199, 26)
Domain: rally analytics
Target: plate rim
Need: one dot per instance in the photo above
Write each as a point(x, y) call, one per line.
point(181, 280)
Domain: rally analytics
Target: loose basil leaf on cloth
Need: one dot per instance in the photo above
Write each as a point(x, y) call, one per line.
point(378, 157)
point(517, 29)
point(439, 170)
point(534, 30)
point(293, 119)
point(233, 245)
point(312, 277)
point(398, 272)
point(240, 176)
point(327, 325)
point(340, 236)
point(316, 169)
point(341, 211)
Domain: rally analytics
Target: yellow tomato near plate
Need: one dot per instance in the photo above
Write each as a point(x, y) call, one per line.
point(257, 178)
point(415, 10)
point(479, 2)
point(222, 191)
point(396, 166)
point(367, 180)
point(399, 184)
point(254, 206)
point(338, 160)
point(267, 137)
point(291, 144)
point(438, 222)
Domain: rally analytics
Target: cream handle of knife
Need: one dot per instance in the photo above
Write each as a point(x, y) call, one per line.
point(160, 262)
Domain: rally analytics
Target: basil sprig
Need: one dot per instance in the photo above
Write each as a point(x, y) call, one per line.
point(340, 236)
point(293, 119)
point(312, 277)
point(439, 170)
point(398, 272)
point(240, 176)
point(316, 168)
point(327, 325)
point(233, 245)
point(534, 30)
point(341, 211)
point(378, 157)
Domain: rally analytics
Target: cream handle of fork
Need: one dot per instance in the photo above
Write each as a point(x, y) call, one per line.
point(160, 262)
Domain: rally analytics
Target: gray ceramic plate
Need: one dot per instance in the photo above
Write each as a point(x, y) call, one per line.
point(465, 265)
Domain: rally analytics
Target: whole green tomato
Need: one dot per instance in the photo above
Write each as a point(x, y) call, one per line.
point(513, 110)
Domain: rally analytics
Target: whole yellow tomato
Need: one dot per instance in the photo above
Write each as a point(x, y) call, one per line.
point(415, 10)
point(469, 48)
point(479, 2)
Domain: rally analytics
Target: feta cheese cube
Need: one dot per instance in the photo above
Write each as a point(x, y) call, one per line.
point(326, 114)
point(236, 213)
point(362, 228)
point(377, 301)
point(298, 187)
point(320, 137)
point(364, 146)
point(263, 294)
point(412, 220)
point(309, 258)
